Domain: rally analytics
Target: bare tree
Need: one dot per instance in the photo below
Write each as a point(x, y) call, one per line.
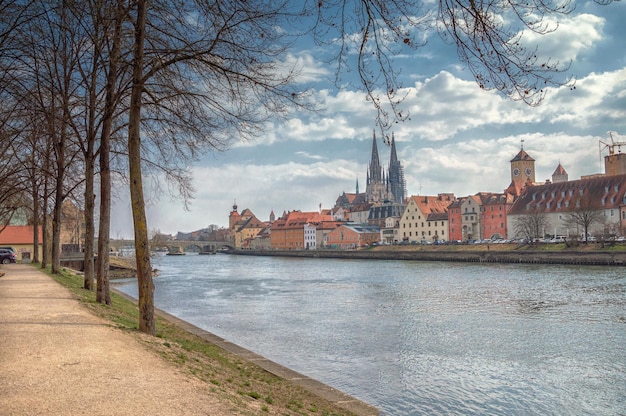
point(585, 214)
point(367, 35)
point(532, 224)
point(204, 72)
point(230, 53)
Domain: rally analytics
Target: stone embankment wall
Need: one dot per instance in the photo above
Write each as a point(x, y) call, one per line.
point(600, 258)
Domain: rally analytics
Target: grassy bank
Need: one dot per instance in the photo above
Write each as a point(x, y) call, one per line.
point(248, 387)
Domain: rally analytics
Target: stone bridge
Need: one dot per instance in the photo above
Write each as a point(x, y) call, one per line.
point(171, 246)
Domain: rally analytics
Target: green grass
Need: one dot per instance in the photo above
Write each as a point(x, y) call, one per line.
point(233, 379)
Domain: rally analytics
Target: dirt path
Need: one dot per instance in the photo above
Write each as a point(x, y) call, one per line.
point(56, 358)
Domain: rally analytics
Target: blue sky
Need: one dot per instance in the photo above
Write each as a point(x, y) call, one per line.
point(459, 138)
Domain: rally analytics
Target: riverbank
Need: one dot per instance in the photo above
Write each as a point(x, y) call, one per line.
point(71, 340)
point(591, 254)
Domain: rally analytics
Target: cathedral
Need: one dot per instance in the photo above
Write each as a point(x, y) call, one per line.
point(381, 188)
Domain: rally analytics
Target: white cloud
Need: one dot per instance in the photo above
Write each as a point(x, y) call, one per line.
point(574, 34)
point(310, 69)
point(459, 139)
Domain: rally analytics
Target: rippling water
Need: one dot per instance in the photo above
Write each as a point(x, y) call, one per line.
point(419, 338)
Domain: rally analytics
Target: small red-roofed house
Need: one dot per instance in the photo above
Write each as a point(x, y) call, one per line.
point(21, 238)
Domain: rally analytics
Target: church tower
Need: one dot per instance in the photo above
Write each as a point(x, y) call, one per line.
point(376, 189)
point(559, 175)
point(395, 177)
point(522, 172)
point(234, 216)
point(523, 168)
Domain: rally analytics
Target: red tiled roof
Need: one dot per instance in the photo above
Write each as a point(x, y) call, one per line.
point(18, 234)
point(522, 155)
point(560, 170)
point(602, 192)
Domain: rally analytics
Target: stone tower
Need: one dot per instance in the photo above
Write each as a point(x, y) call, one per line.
point(395, 176)
point(522, 168)
point(376, 187)
point(559, 175)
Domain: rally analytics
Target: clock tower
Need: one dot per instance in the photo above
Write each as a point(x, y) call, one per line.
point(522, 170)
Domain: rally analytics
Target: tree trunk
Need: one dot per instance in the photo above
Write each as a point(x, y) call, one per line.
point(58, 211)
point(59, 151)
point(103, 294)
point(45, 259)
point(89, 217)
point(142, 250)
point(35, 197)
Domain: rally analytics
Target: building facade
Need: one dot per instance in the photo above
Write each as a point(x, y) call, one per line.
point(351, 236)
point(425, 218)
point(494, 209)
point(602, 198)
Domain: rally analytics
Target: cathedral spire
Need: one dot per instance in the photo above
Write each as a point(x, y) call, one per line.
point(394, 156)
point(375, 169)
point(397, 183)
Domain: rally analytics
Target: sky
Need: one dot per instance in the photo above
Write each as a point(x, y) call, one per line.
point(459, 138)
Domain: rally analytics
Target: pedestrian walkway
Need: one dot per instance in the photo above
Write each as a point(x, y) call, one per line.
point(56, 358)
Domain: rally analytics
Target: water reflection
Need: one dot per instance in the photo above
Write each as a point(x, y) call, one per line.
point(418, 338)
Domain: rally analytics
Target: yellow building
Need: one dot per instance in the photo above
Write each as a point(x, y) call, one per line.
point(425, 218)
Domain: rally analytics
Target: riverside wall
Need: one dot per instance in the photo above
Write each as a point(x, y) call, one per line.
point(596, 258)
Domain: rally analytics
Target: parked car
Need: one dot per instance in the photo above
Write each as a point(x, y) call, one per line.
point(557, 239)
point(7, 256)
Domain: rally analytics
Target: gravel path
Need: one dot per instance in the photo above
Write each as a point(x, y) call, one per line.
point(56, 358)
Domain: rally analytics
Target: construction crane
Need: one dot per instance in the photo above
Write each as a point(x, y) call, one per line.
point(611, 146)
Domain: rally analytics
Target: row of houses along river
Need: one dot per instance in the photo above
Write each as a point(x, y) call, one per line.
point(419, 338)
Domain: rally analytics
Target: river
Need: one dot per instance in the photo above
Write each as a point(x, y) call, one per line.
point(419, 338)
